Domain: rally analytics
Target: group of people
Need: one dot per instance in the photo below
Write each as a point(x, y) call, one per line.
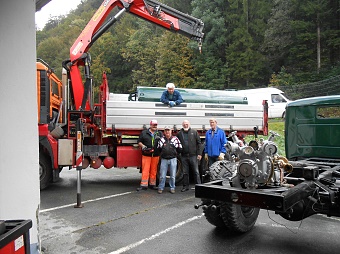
point(186, 145)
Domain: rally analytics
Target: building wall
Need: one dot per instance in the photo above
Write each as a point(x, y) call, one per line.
point(19, 151)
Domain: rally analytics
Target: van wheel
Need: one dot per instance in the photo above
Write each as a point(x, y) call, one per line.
point(284, 115)
point(45, 171)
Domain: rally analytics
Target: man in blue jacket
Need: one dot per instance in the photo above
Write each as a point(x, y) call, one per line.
point(215, 141)
point(171, 97)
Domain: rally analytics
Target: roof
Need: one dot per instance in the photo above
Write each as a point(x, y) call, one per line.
point(322, 100)
point(41, 3)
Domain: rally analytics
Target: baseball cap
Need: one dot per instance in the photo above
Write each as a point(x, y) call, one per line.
point(153, 122)
point(167, 127)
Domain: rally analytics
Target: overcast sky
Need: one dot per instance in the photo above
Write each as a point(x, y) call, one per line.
point(54, 8)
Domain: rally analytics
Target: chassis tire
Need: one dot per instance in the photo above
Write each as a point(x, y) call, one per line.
point(221, 170)
point(240, 219)
point(236, 218)
point(45, 171)
point(213, 216)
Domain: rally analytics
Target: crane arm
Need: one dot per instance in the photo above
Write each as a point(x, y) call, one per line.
point(150, 10)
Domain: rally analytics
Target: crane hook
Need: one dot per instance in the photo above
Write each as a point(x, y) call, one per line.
point(200, 45)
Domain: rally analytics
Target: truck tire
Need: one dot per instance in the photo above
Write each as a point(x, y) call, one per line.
point(179, 173)
point(240, 219)
point(45, 171)
point(203, 169)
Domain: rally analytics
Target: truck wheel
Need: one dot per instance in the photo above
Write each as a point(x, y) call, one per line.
point(203, 169)
point(45, 171)
point(179, 173)
point(212, 214)
point(240, 219)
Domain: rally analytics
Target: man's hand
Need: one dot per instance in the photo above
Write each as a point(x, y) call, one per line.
point(206, 157)
point(199, 157)
point(172, 103)
point(221, 157)
point(144, 147)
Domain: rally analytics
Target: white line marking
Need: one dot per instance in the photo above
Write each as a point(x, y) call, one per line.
point(133, 245)
point(87, 201)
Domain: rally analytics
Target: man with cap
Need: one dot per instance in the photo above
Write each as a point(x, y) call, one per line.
point(170, 147)
point(171, 97)
point(148, 142)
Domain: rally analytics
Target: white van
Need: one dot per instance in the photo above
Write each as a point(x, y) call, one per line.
point(275, 98)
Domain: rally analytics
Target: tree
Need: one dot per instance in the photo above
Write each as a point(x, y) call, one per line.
point(278, 35)
point(174, 61)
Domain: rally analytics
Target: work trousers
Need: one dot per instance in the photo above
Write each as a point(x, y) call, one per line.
point(149, 170)
point(190, 162)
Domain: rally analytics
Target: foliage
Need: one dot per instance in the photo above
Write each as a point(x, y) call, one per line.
point(283, 78)
point(247, 44)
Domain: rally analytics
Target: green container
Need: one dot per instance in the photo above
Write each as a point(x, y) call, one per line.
point(312, 128)
point(192, 95)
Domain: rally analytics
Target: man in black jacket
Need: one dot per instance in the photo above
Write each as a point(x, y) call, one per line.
point(148, 142)
point(191, 153)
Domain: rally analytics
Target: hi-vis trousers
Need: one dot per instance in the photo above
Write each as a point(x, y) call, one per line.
point(149, 170)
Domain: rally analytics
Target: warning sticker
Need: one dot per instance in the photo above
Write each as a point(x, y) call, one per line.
point(18, 243)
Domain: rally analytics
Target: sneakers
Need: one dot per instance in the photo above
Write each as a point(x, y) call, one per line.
point(142, 188)
point(184, 189)
point(160, 191)
point(153, 187)
point(172, 191)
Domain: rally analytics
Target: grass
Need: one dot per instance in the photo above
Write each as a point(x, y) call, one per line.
point(276, 125)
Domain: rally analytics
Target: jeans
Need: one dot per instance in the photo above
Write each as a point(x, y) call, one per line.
point(190, 162)
point(165, 164)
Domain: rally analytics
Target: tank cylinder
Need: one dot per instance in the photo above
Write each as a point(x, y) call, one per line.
point(108, 162)
point(96, 163)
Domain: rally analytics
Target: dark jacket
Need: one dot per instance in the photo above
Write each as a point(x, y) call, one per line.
point(177, 98)
point(169, 147)
point(151, 141)
point(194, 146)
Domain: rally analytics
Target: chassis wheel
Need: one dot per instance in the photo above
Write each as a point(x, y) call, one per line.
point(236, 218)
point(213, 216)
point(221, 170)
point(240, 219)
point(45, 171)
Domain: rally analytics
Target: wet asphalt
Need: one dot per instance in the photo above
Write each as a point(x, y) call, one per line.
point(115, 218)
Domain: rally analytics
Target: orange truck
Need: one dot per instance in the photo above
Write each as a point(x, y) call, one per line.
point(77, 133)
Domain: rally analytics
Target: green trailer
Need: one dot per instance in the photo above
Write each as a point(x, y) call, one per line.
point(190, 95)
